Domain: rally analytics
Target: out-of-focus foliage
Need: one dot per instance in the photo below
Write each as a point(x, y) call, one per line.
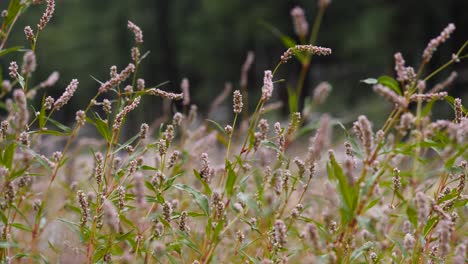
point(207, 41)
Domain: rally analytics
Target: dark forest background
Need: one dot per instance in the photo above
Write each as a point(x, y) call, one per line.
point(207, 42)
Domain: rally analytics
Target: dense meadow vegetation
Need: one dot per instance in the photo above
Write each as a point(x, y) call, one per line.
point(310, 189)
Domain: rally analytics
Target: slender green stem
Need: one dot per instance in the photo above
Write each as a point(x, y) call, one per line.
point(316, 26)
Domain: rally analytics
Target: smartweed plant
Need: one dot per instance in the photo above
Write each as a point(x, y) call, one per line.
point(202, 192)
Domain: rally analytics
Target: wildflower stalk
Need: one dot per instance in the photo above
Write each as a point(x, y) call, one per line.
point(228, 150)
point(35, 232)
point(306, 63)
point(441, 68)
point(5, 38)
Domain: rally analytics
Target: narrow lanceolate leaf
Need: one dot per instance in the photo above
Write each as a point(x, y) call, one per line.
point(21, 81)
point(4, 52)
point(390, 83)
point(8, 155)
point(205, 185)
point(217, 125)
point(412, 215)
point(430, 224)
point(231, 180)
point(199, 197)
point(102, 127)
point(348, 193)
point(13, 9)
point(370, 81)
point(21, 227)
point(292, 99)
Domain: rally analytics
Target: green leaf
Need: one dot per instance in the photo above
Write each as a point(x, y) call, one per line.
point(451, 101)
point(412, 216)
point(217, 230)
point(169, 182)
point(99, 253)
point(369, 81)
point(3, 218)
point(61, 126)
point(292, 100)
point(123, 237)
point(371, 204)
point(453, 193)
point(348, 193)
point(4, 244)
point(127, 143)
point(427, 108)
point(9, 50)
point(270, 145)
point(430, 224)
point(21, 80)
point(287, 41)
point(390, 83)
point(42, 115)
point(102, 127)
point(50, 132)
point(125, 220)
point(205, 185)
point(13, 10)
point(230, 181)
point(217, 125)
point(74, 227)
point(40, 159)
point(22, 227)
point(8, 155)
point(188, 242)
point(199, 197)
point(56, 250)
point(358, 252)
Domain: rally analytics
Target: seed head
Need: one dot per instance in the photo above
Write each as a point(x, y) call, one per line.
point(80, 117)
point(458, 110)
point(434, 43)
point(6, 86)
point(47, 15)
point(51, 80)
point(13, 70)
point(144, 131)
point(422, 206)
point(29, 33)
point(183, 222)
point(173, 159)
point(111, 214)
point(22, 116)
point(127, 109)
point(67, 95)
point(83, 201)
point(29, 63)
point(447, 82)
point(136, 31)
point(279, 234)
point(135, 53)
point(164, 94)
point(140, 84)
point(321, 92)
point(185, 86)
point(390, 95)
point(267, 90)
point(237, 102)
point(167, 211)
point(301, 27)
point(245, 69)
point(118, 78)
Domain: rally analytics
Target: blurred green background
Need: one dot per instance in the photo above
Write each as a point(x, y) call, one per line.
point(207, 42)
